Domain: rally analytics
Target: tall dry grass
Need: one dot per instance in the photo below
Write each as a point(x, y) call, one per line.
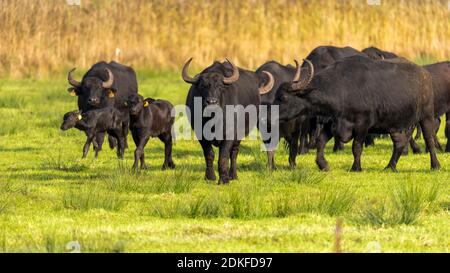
point(39, 37)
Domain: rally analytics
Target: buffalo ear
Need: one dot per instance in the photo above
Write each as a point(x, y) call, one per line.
point(111, 93)
point(148, 101)
point(72, 91)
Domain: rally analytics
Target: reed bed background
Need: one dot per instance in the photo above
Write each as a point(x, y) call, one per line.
point(43, 37)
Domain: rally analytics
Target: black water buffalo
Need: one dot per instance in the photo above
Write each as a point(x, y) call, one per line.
point(292, 129)
point(362, 96)
point(150, 118)
point(105, 84)
point(322, 57)
point(96, 121)
point(222, 86)
point(440, 73)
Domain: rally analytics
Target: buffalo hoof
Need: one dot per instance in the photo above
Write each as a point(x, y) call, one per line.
point(435, 166)
point(144, 167)
point(323, 166)
point(169, 165)
point(210, 176)
point(391, 168)
point(223, 181)
point(233, 175)
point(112, 143)
point(356, 169)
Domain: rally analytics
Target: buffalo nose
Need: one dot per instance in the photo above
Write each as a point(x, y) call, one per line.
point(93, 100)
point(211, 100)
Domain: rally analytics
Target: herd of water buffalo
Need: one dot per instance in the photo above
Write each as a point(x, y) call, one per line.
point(337, 92)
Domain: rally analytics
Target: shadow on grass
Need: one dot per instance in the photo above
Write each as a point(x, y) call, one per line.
point(19, 149)
point(52, 176)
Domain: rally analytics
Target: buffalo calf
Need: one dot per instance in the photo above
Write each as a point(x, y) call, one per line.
point(150, 118)
point(97, 122)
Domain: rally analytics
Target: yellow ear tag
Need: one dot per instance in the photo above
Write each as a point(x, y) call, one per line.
point(111, 94)
point(145, 103)
point(72, 93)
point(125, 103)
point(80, 117)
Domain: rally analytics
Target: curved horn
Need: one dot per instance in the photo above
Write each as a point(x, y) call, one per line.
point(71, 80)
point(110, 80)
point(184, 73)
point(233, 77)
point(298, 70)
point(266, 88)
point(298, 86)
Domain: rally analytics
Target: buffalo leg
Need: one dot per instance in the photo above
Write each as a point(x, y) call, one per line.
point(314, 131)
point(437, 124)
point(224, 158)
point(293, 149)
point(125, 126)
point(98, 141)
point(112, 142)
point(208, 153)
point(139, 153)
point(166, 138)
point(414, 146)
point(369, 140)
point(428, 132)
point(270, 155)
point(120, 142)
point(303, 135)
point(357, 147)
point(338, 145)
point(321, 141)
point(399, 140)
point(87, 144)
point(233, 158)
point(418, 132)
point(447, 132)
point(271, 160)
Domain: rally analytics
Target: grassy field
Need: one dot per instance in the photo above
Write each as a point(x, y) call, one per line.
point(50, 197)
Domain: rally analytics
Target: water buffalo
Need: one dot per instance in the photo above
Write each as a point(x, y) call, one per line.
point(292, 129)
point(150, 118)
point(322, 57)
point(440, 73)
point(103, 85)
point(221, 86)
point(96, 121)
point(361, 95)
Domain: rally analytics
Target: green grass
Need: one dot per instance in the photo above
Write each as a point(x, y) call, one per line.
point(50, 197)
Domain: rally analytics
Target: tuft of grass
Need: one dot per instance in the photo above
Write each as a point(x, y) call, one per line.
point(406, 204)
point(92, 197)
point(333, 201)
point(58, 163)
point(305, 176)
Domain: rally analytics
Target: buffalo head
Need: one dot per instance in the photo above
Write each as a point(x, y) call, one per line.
point(136, 103)
point(213, 85)
point(70, 119)
point(93, 89)
point(289, 95)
